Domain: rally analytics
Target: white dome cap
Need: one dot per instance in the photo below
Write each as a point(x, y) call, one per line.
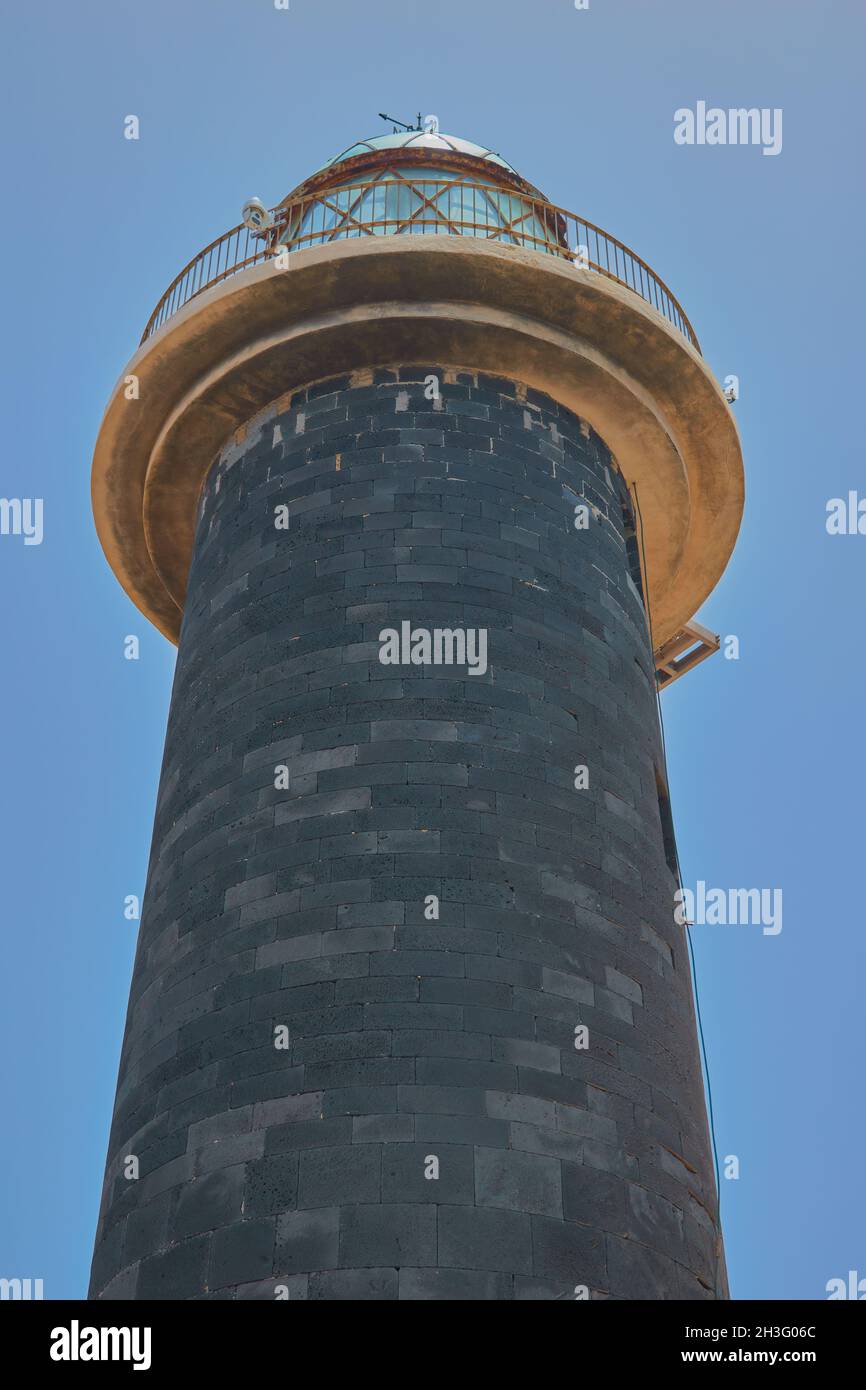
point(418, 139)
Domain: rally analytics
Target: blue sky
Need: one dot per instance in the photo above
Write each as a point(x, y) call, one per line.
point(766, 753)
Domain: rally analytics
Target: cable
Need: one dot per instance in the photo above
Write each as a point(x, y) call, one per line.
point(693, 964)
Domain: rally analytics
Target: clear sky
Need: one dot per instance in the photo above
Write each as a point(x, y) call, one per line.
point(766, 752)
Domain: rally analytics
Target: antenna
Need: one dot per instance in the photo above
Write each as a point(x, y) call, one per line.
point(404, 125)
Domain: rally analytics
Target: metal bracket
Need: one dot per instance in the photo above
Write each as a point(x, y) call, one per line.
point(687, 648)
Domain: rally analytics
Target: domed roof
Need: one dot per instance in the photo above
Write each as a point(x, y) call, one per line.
point(418, 139)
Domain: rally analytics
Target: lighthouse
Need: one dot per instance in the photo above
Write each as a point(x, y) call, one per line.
point(427, 478)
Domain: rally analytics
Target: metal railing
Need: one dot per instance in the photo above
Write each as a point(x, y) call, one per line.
point(398, 206)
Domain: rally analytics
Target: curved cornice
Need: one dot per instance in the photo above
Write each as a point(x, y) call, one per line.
point(581, 338)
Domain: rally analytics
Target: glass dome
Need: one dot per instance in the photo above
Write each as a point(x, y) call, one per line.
point(418, 140)
point(404, 196)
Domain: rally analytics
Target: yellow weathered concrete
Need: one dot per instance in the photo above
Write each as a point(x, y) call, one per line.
point(455, 301)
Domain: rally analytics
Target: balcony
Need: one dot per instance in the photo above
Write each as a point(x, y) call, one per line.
point(421, 205)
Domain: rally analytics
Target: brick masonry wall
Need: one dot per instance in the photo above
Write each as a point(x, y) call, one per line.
point(300, 1171)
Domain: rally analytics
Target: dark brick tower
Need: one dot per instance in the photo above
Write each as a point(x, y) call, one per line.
point(410, 1015)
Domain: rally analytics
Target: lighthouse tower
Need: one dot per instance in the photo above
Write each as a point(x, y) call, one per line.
point(427, 478)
